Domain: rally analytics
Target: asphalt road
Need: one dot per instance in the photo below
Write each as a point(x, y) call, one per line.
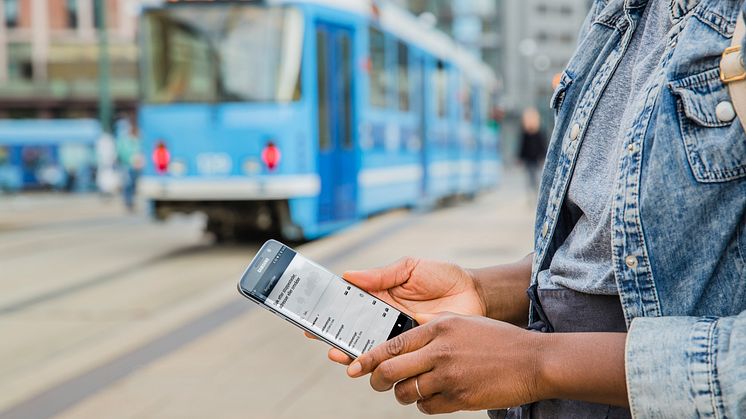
point(104, 314)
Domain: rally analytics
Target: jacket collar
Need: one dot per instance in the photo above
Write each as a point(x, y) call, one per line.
point(680, 8)
point(613, 10)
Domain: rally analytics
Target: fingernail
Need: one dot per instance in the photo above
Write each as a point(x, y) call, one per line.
point(354, 369)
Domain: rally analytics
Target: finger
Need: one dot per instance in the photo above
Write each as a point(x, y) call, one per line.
point(379, 279)
point(391, 371)
point(310, 336)
point(437, 404)
point(339, 357)
point(406, 390)
point(406, 342)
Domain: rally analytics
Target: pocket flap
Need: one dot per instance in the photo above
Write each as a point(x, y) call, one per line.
point(700, 95)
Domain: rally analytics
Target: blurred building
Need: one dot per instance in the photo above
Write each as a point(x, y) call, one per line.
point(527, 42)
point(49, 57)
point(538, 38)
point(473, 23)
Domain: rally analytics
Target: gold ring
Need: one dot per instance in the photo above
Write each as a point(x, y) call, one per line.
point(417, 387)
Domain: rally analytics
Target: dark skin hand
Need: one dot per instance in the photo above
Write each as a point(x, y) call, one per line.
point(425, 286)
point(476, 363)
point(472, 358)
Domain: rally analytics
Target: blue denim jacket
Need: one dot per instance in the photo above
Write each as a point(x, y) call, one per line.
point(679, 208)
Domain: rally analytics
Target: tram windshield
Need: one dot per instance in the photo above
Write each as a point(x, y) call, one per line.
point(222, 54)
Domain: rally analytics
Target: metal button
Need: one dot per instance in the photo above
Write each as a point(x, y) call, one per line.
point(631, 261)
point(631, 148)
point(545, 229)
point(575, 132)
point(725, 111)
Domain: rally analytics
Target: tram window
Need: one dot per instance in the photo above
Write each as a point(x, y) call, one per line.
point(466, 100)
point(379, 80)
point(476, 105)
point(346, 84)
point(484, 108)
point(440, 86)
point(202, 54)
point(403, 55)
point(323, 100)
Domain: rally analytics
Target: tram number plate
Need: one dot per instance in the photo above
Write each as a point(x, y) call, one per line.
point(212, 164)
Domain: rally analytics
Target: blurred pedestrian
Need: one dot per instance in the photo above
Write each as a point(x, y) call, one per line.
point(131, 162)
point(106, 158)
point(533, 147)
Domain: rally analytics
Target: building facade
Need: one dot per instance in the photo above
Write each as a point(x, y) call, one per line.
point(49, 55)
point(538, 37)
point(527, 42)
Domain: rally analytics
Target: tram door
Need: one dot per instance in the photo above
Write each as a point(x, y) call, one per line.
point(421, 101)
point(337, 161)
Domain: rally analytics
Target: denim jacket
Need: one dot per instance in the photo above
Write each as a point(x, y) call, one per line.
point(678, 228)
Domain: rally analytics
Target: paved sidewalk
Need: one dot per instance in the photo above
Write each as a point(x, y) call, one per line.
point(44, 209)
point(256, 366)
point(171, 337)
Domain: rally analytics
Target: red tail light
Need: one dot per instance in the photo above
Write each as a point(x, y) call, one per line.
point(161, 157)
point(271, 155)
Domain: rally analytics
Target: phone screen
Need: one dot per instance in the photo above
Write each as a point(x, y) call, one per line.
point(325, 304)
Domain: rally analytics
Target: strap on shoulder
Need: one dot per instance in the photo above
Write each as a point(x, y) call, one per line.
point(733, 70)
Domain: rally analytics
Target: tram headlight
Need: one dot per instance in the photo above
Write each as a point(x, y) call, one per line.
point(177, 168)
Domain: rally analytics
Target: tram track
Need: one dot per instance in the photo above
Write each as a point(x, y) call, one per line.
point(33, 241)
point(71, 391)
point(99, 280)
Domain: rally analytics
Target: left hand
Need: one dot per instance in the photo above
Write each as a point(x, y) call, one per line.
point(460, 363)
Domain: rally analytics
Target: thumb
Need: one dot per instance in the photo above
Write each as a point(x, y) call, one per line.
point(380, 279)
point(423, 318)
point(367, 280)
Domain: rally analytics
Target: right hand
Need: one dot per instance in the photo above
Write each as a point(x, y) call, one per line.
point(418, 286)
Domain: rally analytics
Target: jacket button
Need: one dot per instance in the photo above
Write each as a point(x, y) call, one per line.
point(575, 132)
point(631, 261)
point(725, 111)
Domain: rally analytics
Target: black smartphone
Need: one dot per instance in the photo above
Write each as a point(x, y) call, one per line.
point(319, 302)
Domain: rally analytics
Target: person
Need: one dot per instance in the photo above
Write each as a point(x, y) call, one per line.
point(131, 160)
point(533, 146)
point(636, 300)
point(107, 181)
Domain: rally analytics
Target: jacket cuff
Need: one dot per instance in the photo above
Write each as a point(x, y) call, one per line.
point(671, 368)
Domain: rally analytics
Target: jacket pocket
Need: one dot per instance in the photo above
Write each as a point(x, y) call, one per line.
point(558, 97)
point(715, 143)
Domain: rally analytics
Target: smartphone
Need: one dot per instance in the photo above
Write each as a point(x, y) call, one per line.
point(319, 302)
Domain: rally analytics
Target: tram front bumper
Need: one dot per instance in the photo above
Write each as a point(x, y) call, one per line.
point(273, 187)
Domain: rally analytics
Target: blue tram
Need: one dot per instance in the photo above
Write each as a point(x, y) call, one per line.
point(307, 115)
point(48, 154)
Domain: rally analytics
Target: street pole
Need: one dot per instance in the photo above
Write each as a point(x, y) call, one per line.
point(104, 68)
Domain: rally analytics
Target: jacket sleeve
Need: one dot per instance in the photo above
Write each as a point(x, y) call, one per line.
point(687, 367)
